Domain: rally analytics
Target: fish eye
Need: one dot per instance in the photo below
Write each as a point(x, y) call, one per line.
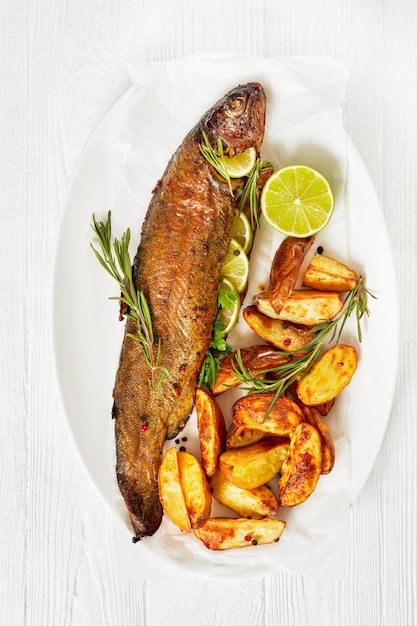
point(236, 106)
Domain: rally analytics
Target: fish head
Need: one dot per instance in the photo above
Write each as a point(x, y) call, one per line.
point(238, 119)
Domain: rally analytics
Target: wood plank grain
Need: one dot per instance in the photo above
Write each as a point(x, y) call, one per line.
point(14, 309)
point(63, 64)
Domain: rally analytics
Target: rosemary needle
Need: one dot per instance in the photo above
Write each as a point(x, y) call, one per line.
point(216, 159)
point(115, 259)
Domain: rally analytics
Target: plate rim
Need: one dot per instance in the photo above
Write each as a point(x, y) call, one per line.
point(84, 156)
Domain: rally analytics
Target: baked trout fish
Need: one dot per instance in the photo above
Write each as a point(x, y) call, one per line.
point(185, 237)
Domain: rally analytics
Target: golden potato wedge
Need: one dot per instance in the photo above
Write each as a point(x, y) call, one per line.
point(255, 359)
point(254, 465)
point(238, 436)
point(171, 493)
point(251, 503)
point(195, 488)
point(328, 274)
point(251, 411)
point(264, 306)
point(285, 268)
point(323, 408)
point(211, 430)
point(278, 333)
point(314, 418)
point(328, 376)
point(303, 306)
point(301, 468)
point(224, 533)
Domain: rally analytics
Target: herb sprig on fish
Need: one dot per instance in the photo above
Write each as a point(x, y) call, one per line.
point(250, 191)
point(119, 266)
point(216, 159)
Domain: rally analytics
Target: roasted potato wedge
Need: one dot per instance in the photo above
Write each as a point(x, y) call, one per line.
point(302, 466)
point(285, 268)
point(224, 533)
point(255, 359)
point(328, 376)
point(238, 436)
point(314, 418)
point(254, 465)
point(211, 430)
point(195, 488)
point(171, 493)
point(278, 333)
point(323, 408)
point(250, 411)
point(251, 503)
point(328, 274)
point(303, 306)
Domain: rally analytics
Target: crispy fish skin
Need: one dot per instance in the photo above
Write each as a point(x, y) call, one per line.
point(185, 237)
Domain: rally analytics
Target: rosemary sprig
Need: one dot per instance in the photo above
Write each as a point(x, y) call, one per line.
point(119, 266)
point(250, 190)
point(216, 159)
point(287, 373)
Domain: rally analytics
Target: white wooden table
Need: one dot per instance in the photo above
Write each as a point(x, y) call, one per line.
point(63, 64)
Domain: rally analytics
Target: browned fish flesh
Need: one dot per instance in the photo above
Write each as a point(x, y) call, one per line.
point(184, 240)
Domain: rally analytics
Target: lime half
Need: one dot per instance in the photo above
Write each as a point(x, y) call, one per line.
point(236, 266)
point(297, 201)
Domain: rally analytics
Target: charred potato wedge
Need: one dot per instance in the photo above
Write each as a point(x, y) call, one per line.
point(328, 274)
point(255, 359)
point(314, 418)
point(171, 493)
point(195, 488)
point(223, 533)
point(328, 376)
point(251, 503)
point(278, 333)
point(302, 467)
point(238, 436)
point(285, 269)
point(303, 306)
point(254, 465)
point(251, 411)
point(211, 430)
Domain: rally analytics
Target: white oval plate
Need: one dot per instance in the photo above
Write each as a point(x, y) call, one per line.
point(87, 337)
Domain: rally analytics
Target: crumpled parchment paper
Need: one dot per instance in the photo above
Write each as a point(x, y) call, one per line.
point(304, 125)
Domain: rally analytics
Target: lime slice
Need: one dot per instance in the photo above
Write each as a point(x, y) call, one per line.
point(229, 315)
point(297, 200)
point(240, 164)
point(236, 266)
point(242, 231)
